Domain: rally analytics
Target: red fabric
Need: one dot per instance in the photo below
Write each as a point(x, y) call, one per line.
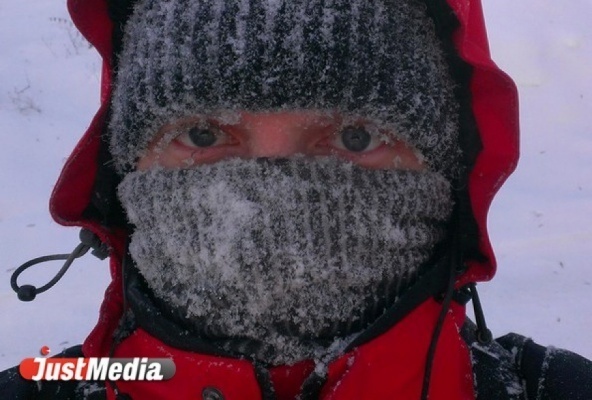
point(495, 107)
point(390, 366)
point(287, 380)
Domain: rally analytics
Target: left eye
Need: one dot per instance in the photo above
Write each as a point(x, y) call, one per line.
point(203, 136)
point(356, 139)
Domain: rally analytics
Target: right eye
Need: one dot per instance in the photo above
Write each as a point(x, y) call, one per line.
point(356, 139)
point(203, 136)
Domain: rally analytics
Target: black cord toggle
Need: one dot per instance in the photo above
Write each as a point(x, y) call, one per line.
point(100, 249)
point(88, 240)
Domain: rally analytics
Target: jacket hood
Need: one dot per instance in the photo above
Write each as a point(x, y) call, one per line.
point(494, 105)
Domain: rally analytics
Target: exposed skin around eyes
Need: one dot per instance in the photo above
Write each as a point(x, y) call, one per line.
point(276, 135)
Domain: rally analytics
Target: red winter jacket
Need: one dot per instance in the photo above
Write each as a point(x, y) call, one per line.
point(390, 366)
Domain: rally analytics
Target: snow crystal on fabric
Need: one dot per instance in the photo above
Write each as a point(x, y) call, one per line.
point(377, 59)
point(504, 373)
point(283, 251)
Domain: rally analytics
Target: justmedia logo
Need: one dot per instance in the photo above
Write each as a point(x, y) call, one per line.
point(96, 368)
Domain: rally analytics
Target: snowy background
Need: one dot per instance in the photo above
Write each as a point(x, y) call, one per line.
point(540, 222)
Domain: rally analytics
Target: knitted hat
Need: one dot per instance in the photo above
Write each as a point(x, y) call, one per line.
point(378, 59)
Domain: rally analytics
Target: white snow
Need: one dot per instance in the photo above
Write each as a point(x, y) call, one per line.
point(540, 222)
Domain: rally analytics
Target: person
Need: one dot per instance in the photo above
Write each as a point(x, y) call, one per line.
point(293, 196)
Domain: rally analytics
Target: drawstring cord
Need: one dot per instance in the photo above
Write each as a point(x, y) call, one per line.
point(437, 330)
point(483, 334)
point(117, 340)
point(88, 241)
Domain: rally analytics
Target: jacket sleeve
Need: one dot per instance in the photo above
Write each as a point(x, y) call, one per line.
point(15, 387)
point(548, 373)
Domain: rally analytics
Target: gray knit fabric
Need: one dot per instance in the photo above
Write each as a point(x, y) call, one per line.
point(289, 252)
point(378, 59)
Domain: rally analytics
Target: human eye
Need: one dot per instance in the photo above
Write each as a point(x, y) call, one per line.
point(202, 135)
point(356, 139)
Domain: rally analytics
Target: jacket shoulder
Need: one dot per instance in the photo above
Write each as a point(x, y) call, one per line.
point(547, 372)
point(13, 386)
point(514, 367)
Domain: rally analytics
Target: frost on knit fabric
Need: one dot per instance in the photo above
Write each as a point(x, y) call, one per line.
point(377, 59)
point(283, 252)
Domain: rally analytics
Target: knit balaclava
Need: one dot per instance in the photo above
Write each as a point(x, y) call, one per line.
point(270, 259)
point(276, 259)
point(379, 59)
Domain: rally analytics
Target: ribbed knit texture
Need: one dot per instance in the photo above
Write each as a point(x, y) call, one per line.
point(287, 254)
point(378, 59)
